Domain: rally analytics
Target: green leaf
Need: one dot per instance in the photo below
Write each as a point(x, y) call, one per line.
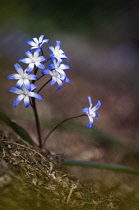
point(17, 128)
point(112, 167)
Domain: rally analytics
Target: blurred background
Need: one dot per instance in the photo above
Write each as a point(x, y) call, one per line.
point(102, 40)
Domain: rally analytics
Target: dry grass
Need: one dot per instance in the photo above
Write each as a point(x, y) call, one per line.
point(33, 180)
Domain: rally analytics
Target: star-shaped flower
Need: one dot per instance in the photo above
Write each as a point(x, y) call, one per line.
point(57, 52)
point(37, 43)
point(56, 77)
point(33, 60)
point(22, 76)
point(90, 112)
point(58, 66)
point(24, 94)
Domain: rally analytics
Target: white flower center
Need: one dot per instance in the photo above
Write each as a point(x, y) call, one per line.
point(92, 113)
point(25, 92)
point(23, 76)
point(33, 60)
point(56, 74)
point(57, 53)
point(37, 43)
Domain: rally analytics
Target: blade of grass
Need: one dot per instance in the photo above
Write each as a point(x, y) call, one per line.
point(17, 128)
point(98, 165)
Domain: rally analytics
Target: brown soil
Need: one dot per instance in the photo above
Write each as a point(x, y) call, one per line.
point(33, 180)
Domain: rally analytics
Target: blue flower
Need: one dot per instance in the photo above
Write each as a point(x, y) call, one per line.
point(33, 59)
point(56, 77)
point(22, 76)
point(37, 43)
point(57, 52)
point(24, 94)
point(58, 66)
point(90, 112)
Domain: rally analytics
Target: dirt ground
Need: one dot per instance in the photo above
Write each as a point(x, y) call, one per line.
point(31, 180)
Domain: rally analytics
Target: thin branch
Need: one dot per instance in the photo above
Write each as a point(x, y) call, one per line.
point(39, 78)
point(44, 85)
point(47, 136)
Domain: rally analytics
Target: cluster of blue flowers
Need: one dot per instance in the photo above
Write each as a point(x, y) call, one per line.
point(25, 85)
point(24, 88)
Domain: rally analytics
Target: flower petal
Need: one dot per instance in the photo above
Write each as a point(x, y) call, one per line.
point(53, 81)
point(26, 101)
point(63, 66)
point(32, 77)
point(33, 87)
point(18, 100)
point(51, 66)
point(52, 49)
point(91, 122)
point(29, 54)
point(18, 68)
point(41, 38)
point(31, 43)
point(36, 53)
point(96, 106)
point(90, 101)
point(35, 39)
point(25, 60)
point(19, 83)
point(96, 115)
point(27, 84)
point(58, 43)
point(45, 41)
point(41, 59)
point(30, 67)
point(15, 90)
point(85, 110)
point(59, 84)
point(35, 95)
point(67, 80)
point(39, 65)
point(46, 71)
point(14, 76)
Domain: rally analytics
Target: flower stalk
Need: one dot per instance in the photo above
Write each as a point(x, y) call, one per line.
point(63, 121)
point(37, 122)
point(25, 86)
